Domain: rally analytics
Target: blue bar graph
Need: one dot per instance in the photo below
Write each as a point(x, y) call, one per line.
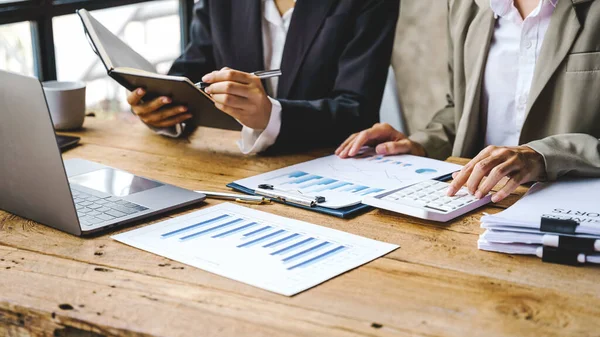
point(303, 179)
point(294, 246)
point(306, 252)
point(324, 181)
point(333, 186)
point(210, 230)
point(355, 189)
point(281, 241)
point(235, 230)
point(204, 223)
point(260, 230)
point(261, 239)
point(318, 258)
point(296, 174)
point(372, 190)
point(385, 161)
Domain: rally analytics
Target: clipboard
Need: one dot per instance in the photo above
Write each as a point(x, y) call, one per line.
point(343, 213)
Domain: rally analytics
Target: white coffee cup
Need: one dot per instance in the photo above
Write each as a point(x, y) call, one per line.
point(66, 101)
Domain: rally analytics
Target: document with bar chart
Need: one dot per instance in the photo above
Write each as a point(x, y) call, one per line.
point(345, 182)
point(275, 253)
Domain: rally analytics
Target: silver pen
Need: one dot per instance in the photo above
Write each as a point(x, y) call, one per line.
point(288, 197)
point(252, 199)
point(262, 74)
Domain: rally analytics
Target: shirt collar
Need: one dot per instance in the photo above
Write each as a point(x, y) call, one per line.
point(502, 7)
point(271, 13)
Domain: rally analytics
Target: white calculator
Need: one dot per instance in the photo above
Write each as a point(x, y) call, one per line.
point(427, 200)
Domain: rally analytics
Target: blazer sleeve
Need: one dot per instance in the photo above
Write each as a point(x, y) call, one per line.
point(198, 57)
point(572, 154)
point(355, 100)
point(438, 136)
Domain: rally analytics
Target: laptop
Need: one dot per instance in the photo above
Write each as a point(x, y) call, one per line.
point(76, 196)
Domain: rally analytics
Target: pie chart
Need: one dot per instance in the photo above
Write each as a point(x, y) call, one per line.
point(426, 171)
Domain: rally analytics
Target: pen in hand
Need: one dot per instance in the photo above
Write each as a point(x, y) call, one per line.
point(262, 74)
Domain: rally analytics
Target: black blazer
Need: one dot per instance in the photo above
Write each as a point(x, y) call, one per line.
point(334, 65)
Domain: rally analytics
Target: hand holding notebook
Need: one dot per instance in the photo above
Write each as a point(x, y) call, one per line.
point(133, 71)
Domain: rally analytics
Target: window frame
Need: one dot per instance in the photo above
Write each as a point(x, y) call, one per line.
point(41, 12)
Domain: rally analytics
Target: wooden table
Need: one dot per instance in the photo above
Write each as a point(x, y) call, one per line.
point(437, 284)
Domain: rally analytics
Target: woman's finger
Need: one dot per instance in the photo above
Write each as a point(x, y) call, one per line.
point(496, 175)
point(511, 186)
point(481, 170)
point(463, 175)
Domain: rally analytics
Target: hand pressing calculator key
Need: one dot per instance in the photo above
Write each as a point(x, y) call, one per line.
point(428, 200)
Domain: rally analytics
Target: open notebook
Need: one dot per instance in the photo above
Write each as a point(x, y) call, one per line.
point(133, 71)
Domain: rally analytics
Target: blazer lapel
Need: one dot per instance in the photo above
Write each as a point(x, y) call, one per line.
point(306, 22)
point(562, 32)
point(246, 40)
point(477, 44)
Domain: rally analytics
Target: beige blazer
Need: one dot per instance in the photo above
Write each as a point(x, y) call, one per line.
point(563, 111)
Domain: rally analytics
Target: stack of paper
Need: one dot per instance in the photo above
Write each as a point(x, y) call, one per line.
point(559, 222)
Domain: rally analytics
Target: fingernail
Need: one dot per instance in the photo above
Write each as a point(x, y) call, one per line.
point(166, 100)
point(207, 78)
point(495, 198)
point(207, 90)
point(188, 116)
point(140, 91)
point(183, 109)
point(381, 149)
point(478, 195)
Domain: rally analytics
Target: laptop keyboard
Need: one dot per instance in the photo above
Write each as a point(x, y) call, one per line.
point(93, 210)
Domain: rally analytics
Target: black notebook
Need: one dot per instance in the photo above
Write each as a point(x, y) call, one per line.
point(133, 71)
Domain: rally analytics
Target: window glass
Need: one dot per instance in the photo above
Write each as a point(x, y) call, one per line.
point(152, 29)
point(16, 50)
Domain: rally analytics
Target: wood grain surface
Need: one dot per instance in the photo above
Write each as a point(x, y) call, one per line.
point(437, 284)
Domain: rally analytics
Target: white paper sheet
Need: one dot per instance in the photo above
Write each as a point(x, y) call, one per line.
point(279, 254)
point(345, 182)
point(576, 199)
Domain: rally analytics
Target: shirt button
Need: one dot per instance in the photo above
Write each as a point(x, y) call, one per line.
point(523, 100)
point(528, 44)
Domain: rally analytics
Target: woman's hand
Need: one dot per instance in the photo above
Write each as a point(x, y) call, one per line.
point(519, 164)
point(153, 113)
point(388, 140)
point(240, 95)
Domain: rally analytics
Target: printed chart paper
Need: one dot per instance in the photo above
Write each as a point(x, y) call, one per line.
point(345, 182)
point(275, 253)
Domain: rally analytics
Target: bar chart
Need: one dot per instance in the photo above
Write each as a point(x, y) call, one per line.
point(279, 242)
point(312, 184)
point(345, 182)
point(275, 253)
